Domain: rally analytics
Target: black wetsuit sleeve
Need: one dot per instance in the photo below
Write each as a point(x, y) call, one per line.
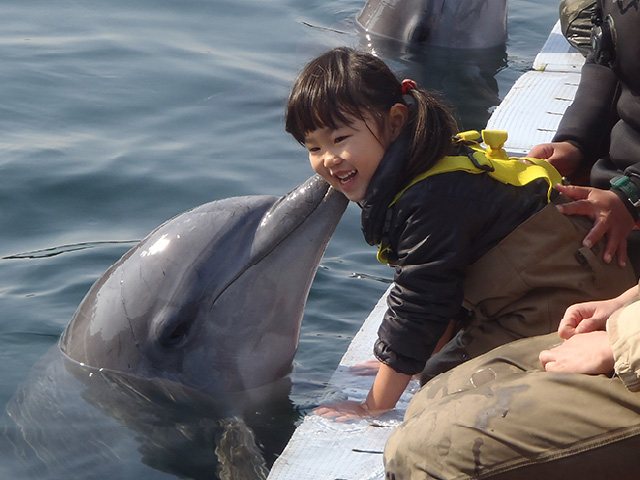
point(587, 122)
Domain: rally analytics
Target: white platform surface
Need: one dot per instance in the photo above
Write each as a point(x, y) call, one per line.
point(532, 109)
point(322, 449)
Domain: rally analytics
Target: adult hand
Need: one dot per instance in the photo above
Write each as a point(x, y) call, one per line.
point(586, 317)
point(588, 353)
point(564, 156)
point(609, 214)
point(591, 316)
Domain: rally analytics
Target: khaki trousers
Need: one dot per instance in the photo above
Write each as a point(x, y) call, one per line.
point(523, 285)
point(499, 416)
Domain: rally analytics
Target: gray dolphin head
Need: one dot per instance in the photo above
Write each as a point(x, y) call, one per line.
point(214, 297)
point(468, 24)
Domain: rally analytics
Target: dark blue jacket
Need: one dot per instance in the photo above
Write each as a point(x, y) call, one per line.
point(435, 230)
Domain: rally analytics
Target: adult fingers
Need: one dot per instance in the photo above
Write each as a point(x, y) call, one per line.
point(568, 323)
point(616, 245)
point(599, 229)
point(544, 150)
point(588, 325)
point(546, 357)
point(574, 192)
point(578, 207)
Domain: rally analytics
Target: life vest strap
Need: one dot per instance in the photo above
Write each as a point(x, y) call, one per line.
point(493, 162)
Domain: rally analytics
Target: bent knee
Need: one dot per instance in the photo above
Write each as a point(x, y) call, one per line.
point(421, 448)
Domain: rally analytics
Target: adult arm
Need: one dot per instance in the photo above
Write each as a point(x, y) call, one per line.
point(583, 134)
point(587, 122)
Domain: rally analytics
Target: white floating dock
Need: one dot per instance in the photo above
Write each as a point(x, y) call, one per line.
point(322, 449)
point(532, 109)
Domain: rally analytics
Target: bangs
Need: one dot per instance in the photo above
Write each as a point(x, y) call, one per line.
point(335, 88)
point(306, 116)
point(322, 97)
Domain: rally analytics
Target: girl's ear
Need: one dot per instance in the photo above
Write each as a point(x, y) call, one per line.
point(398, 115)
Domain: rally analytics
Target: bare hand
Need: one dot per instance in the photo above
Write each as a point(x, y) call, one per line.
point(586, 317)
point(609, 214)
point(588, 353)
point(563, 155)
point(347, 410)
point(370, 367)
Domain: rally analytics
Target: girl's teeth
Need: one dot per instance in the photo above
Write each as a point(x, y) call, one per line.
point(346, 177)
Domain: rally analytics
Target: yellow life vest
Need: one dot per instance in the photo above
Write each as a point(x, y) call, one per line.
point(492, 161)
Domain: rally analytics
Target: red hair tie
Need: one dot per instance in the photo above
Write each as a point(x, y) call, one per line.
point(407, 85)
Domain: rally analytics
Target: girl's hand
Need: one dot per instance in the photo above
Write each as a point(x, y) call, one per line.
point(588, 353)
point(610, 217)
point(383, 396)
point(345, 411)
point(370, 367)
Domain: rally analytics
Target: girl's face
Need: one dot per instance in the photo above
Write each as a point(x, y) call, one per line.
point(348, 156)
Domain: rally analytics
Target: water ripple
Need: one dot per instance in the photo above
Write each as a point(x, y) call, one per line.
point(62, 249)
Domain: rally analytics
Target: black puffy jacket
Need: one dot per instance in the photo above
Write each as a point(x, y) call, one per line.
point(435, 230)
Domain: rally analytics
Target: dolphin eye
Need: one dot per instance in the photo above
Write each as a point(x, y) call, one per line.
point(174, 335)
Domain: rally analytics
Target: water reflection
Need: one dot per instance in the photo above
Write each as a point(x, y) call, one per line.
point(70, 421)
point(466, 77)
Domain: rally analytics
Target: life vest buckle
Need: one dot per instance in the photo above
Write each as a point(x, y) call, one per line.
point(487, 167)
point(471, 140)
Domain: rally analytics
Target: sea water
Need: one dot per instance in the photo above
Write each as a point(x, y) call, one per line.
point(117, 115)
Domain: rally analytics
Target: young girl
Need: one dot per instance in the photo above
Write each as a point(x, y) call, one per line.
point(454, 238)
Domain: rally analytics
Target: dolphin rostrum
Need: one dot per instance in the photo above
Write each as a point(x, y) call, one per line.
point(207, 306)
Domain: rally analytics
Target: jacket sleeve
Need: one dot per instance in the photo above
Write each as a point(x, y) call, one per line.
point(432, 249)
point(624, 334)
point(587, 122)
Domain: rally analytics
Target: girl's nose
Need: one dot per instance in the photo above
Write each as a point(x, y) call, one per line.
point(331, 160)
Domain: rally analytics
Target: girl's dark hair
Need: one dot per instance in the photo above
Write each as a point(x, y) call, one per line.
point(345, 82)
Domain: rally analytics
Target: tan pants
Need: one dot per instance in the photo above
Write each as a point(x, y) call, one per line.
point(522, 286)
point(499, 416)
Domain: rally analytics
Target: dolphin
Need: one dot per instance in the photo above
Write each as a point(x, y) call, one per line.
point(190, 330)
point(466, 24)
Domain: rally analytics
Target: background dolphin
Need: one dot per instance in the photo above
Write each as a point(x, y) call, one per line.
point(446, 23)
point(191, 329)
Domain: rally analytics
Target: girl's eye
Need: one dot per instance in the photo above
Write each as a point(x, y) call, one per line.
point(340, 139)
point(313, 149)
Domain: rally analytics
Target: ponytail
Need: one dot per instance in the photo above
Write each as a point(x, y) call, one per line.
point(432, 126)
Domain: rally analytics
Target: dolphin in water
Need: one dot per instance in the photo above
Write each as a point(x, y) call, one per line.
point(467, 24)
point(189, 331)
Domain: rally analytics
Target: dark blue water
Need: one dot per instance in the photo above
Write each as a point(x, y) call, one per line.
point(117, 115)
